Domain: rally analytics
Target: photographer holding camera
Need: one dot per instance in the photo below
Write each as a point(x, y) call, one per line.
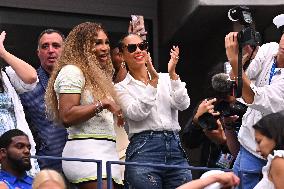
point(262, 88)
point(208, 130)
point(215, 121)
point(212, 141)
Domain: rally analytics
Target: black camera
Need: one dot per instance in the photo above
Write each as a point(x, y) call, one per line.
point(222, 88)
point(227, 109)
point(248, 35)
point(208, 122)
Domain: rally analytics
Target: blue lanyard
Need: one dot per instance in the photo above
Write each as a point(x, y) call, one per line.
point(272, 71)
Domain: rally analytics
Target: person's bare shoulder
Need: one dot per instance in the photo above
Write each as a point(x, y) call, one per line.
point(277, 165)
point(277, 172)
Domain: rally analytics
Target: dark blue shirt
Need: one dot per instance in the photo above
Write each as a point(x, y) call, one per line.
point(24, 182)
point(50, 137)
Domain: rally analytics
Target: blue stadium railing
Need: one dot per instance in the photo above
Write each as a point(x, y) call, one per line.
point(99, 165)
point(109, 163)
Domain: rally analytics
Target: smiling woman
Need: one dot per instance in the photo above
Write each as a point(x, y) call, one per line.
point(81, 95)
point(102, 48)
point(150, 103)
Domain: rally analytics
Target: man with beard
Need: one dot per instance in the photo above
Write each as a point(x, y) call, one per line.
point(15, 159)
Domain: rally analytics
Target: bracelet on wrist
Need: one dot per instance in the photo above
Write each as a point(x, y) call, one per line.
point(101, 105)
point(98, 107)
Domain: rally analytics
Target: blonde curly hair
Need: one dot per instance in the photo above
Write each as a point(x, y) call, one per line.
point(78, 50)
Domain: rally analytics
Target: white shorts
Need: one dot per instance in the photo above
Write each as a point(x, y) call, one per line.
point(99, 149)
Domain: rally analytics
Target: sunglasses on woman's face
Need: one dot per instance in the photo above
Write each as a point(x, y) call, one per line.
point(132, 47)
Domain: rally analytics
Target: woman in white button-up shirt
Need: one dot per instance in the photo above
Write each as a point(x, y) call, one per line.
point(150, 103)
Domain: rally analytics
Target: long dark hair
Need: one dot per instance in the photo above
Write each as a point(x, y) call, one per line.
point(272, 127)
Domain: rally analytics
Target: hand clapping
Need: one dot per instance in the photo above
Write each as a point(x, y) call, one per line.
point(153, 73)
point(174, 53)
point(2, 38)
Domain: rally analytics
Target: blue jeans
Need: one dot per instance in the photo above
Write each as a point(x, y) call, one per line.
point(246, 161)
point(156, 147)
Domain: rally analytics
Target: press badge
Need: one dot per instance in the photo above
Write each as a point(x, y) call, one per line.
point(225, 161)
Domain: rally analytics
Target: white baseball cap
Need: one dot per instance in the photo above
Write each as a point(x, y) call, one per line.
point(279, 22)
point(215, 185)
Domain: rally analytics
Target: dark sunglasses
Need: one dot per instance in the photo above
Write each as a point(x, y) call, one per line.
point(132, 47)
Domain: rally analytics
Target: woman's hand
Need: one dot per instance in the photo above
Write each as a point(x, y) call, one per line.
point(2, 38)
point(115, 109)
point(153, 73)
point(173, 62)
point(25, 71)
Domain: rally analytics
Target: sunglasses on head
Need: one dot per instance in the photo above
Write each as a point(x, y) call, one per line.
point(132, 47)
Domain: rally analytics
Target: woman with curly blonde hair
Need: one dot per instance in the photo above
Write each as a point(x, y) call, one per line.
point(81, 95)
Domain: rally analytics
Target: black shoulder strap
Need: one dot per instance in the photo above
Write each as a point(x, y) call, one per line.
point(4, 70)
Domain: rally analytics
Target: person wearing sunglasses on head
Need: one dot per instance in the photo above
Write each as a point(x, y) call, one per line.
point(150, 104)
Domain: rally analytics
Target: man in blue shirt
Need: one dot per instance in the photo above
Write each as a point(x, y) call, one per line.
point(15, 159)
point(50, 137)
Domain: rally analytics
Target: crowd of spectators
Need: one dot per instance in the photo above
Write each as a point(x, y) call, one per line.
point(89, 101)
